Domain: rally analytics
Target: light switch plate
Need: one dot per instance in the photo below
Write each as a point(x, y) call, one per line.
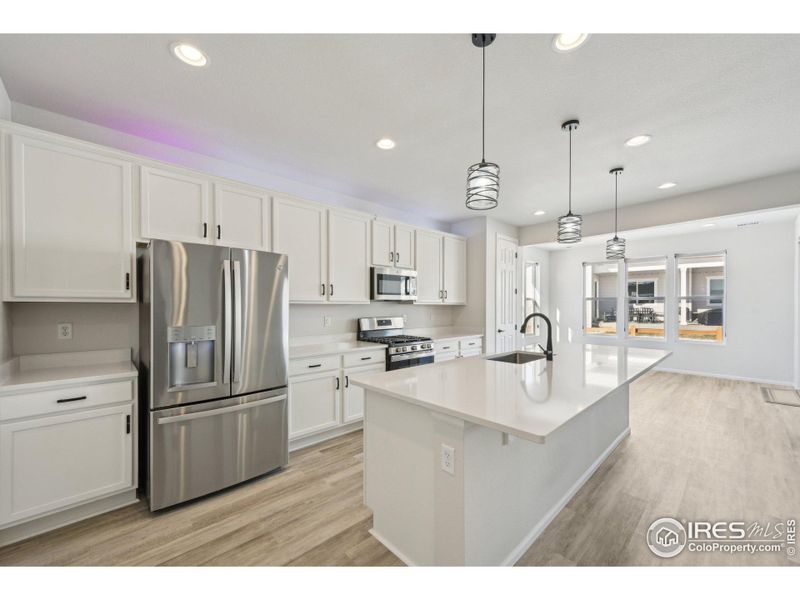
point(65, 331)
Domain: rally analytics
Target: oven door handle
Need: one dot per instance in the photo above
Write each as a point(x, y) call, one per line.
point(219, 411)
point(410, 355)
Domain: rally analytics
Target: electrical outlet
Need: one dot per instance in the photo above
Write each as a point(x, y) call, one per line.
point(430, 315)
point(65, 331)
point(448, 459)
point(326, 321)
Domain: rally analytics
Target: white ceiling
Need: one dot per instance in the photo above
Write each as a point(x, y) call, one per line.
point(720, 108)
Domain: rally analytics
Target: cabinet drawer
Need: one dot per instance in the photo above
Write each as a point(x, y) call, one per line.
point(368, 357)
point(444, 356)
point(446, 347)
point(471, 344)
point(66, 398)
point(303, 366)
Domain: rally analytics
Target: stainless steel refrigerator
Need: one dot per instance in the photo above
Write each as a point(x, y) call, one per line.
point(213, 367)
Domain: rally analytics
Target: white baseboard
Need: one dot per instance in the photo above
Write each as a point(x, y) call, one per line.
point(731, 377)
point(391, 548)
point(537, 529)
point(316, 438)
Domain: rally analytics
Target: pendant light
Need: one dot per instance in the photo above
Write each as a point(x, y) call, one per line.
point(615, 247)
point(569, 225)
point(483, 178)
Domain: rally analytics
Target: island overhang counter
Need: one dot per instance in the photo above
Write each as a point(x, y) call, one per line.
point(467, 461)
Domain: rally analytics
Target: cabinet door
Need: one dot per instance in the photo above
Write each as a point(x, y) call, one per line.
point(174, 206)
point(348, 257)
point(314, 403)
point(241, 217)
point(404, 247)
point(71, 223)
point(298, 230)
point(54, 462)
point(382, 243)
point(353, 397)
point(455, 270)
point(429, 267)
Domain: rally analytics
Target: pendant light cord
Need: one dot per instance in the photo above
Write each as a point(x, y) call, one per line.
point(616, 190)
point(483, 108)
point(570, 170)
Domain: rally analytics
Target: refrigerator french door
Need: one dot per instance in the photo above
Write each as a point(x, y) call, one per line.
point(214, 360)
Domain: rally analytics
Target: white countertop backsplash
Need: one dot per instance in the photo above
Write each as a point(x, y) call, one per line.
point(531, 400)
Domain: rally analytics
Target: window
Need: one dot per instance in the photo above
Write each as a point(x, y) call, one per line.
point(533, 295)
point(646, 279)
point(600, 282)
point(700, 285)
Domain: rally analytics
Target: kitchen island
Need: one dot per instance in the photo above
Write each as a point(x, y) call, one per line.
point(466, 462)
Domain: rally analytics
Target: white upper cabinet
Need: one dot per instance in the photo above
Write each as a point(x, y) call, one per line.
point(403, 246)
point(429, 267)
point(175, 206)
point(392, 244)
point(348, 257)
point(71, 232)
point(382, 243)
point(241, 217)
point(454, 270)
point(299, 231)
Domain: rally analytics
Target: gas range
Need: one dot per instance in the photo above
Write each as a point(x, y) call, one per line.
point(404, 350)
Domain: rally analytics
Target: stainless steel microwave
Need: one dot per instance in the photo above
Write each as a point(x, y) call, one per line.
point(389, 283)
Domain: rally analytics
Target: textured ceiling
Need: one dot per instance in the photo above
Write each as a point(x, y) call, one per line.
point(720, 108)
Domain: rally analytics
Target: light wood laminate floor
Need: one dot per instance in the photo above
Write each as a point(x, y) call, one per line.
point(700, 448)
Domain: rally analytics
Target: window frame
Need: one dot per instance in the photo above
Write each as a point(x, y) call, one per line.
point(585, 298)
point(664, 296)
point(677, 298)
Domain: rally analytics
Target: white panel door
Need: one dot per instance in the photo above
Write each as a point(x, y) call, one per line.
point(382, 243)
point(241, 217)
point(299, 231)
point(353, 396)
point(71, 223)
point(506, 297)
point(348, 257)
point(174, 206)
point(404, 247)
point(314, 403)
point(455, 270)
point(54, 462)
point(429, 267)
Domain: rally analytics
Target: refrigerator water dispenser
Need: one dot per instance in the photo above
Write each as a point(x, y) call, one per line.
point(191, 356)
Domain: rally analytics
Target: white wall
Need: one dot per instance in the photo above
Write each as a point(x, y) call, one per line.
point(473, 314)
point(760, 303)
point(796, 241)
point(5, 321)
point(748, 196)
point(307, 320)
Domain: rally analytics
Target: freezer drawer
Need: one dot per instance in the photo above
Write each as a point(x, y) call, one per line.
point(202, 448)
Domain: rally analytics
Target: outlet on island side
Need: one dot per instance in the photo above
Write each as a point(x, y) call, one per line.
point(448, 459)
point(65, 331)
point(326, 321)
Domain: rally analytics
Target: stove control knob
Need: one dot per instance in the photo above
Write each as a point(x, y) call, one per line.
point(414, 348)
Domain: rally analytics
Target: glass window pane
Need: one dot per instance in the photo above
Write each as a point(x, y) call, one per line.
point(600, 280)
point(646, 317)
point(700, 319)
point(646, 289)
point(695, 272)
point(600, 316)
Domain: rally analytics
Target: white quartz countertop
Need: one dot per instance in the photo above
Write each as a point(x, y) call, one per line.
point(32, 373)
point(309, 350)
point(529, 401)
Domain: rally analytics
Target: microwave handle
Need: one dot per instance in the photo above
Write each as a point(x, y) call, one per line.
point(408, 286)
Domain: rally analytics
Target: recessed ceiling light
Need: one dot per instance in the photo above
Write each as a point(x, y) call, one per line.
point(638, 140)
point(709, 224)
point(539, 213)
point(667, 185)
point(564, 42)
point(385, 144)
point(189, 54)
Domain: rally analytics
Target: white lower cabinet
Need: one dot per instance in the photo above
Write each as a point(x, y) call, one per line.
point(313, 403)
point(353, 399)
point(458, 348)
point(54, 462)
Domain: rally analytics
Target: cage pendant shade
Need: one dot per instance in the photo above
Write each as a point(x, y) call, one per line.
point(483, 186)
point(569, 225)
point(615, 247)
point(483, 178)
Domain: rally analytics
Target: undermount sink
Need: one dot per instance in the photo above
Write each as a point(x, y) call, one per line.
point(517, 358)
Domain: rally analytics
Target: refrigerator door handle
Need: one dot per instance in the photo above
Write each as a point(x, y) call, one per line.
point(237, 320)
point(226, 341)
point(219, 411)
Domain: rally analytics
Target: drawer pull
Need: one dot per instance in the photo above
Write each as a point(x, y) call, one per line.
point(314, 366)
point(366, 358)
point(71, 399)
point(445, 347)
